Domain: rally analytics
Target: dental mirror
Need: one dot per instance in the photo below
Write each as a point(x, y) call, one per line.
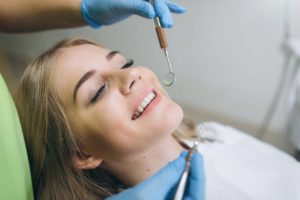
point(169, 78)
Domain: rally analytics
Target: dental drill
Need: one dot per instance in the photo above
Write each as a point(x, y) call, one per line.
point(183, 180)
point(170, 77)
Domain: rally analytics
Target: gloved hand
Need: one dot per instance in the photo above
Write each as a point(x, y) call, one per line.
point(162, 185)
point(105, 12)
point(195, 189)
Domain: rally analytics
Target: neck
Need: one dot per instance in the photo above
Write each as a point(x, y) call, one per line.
point(147, 163)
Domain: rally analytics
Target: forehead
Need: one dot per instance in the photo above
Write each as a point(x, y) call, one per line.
point(73, 62)
point(78, 57)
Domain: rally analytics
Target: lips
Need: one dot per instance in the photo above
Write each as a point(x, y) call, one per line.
point(143, 104)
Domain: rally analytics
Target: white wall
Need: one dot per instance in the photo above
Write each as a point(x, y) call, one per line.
point(226, 54)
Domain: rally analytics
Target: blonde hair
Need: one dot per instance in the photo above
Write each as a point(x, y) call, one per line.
point(49, 140)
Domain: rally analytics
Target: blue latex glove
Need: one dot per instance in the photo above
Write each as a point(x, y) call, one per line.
point(163, 184)
point(105, 12)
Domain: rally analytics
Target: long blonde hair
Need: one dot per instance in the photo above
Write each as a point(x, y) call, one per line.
point(49, 139)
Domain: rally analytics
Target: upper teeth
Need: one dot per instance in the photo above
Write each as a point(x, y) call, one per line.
point(143, 105)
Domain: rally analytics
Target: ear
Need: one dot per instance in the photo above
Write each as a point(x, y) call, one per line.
point(83, 161)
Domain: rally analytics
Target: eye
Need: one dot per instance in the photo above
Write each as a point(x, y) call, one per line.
point(129, 63)
point(98, 93)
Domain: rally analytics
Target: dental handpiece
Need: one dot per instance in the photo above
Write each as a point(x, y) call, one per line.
point(170, 77)
point(182, 184)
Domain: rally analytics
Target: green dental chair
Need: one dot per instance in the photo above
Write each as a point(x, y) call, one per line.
point(15, 180)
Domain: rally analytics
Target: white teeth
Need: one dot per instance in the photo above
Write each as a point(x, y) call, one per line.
point(143, 105)
point(140, 109)
point(147, 99)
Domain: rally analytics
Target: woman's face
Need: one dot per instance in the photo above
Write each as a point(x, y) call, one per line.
point(113, 109)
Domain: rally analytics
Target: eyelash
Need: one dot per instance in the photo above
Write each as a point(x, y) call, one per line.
point(128, 64)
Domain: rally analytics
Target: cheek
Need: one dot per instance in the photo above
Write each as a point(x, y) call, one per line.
point(109, 130)
point(149, 75)
point(104, 138)
point(168, 119)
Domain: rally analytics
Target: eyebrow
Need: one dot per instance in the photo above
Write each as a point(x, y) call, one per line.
point(89, 74)
point(84, 78)
point(111, 54)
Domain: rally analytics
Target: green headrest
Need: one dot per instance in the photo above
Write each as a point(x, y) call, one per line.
point(15, 179)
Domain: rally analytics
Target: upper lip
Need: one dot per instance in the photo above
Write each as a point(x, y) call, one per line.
point(140, 99)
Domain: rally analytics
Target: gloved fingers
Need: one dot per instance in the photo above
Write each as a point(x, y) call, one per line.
point(142, 8)
point(174, 7)
point(197, 167)
point(196, 180)
point(163, 12)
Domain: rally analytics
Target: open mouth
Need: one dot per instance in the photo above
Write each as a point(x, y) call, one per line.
point(143, 105)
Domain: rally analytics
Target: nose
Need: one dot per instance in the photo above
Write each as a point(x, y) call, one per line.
point(127, 78)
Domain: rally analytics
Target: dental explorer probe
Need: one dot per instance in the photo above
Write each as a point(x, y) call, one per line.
point(183, 180)
point(170, 77)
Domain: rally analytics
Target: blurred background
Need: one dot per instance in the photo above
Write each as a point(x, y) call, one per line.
point(228, 56)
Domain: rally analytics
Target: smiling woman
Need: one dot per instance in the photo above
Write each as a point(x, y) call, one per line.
point(92, 123)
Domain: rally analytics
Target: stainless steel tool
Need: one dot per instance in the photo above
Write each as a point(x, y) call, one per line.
point(170, 77)
point(182, 184)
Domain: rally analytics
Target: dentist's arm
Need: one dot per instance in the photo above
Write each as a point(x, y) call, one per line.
point(35, 15)
point(163, 184)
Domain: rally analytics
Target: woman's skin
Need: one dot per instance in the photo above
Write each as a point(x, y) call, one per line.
point(34, 15)
point(132, 149)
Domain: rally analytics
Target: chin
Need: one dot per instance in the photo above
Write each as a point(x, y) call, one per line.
point(173, 118)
